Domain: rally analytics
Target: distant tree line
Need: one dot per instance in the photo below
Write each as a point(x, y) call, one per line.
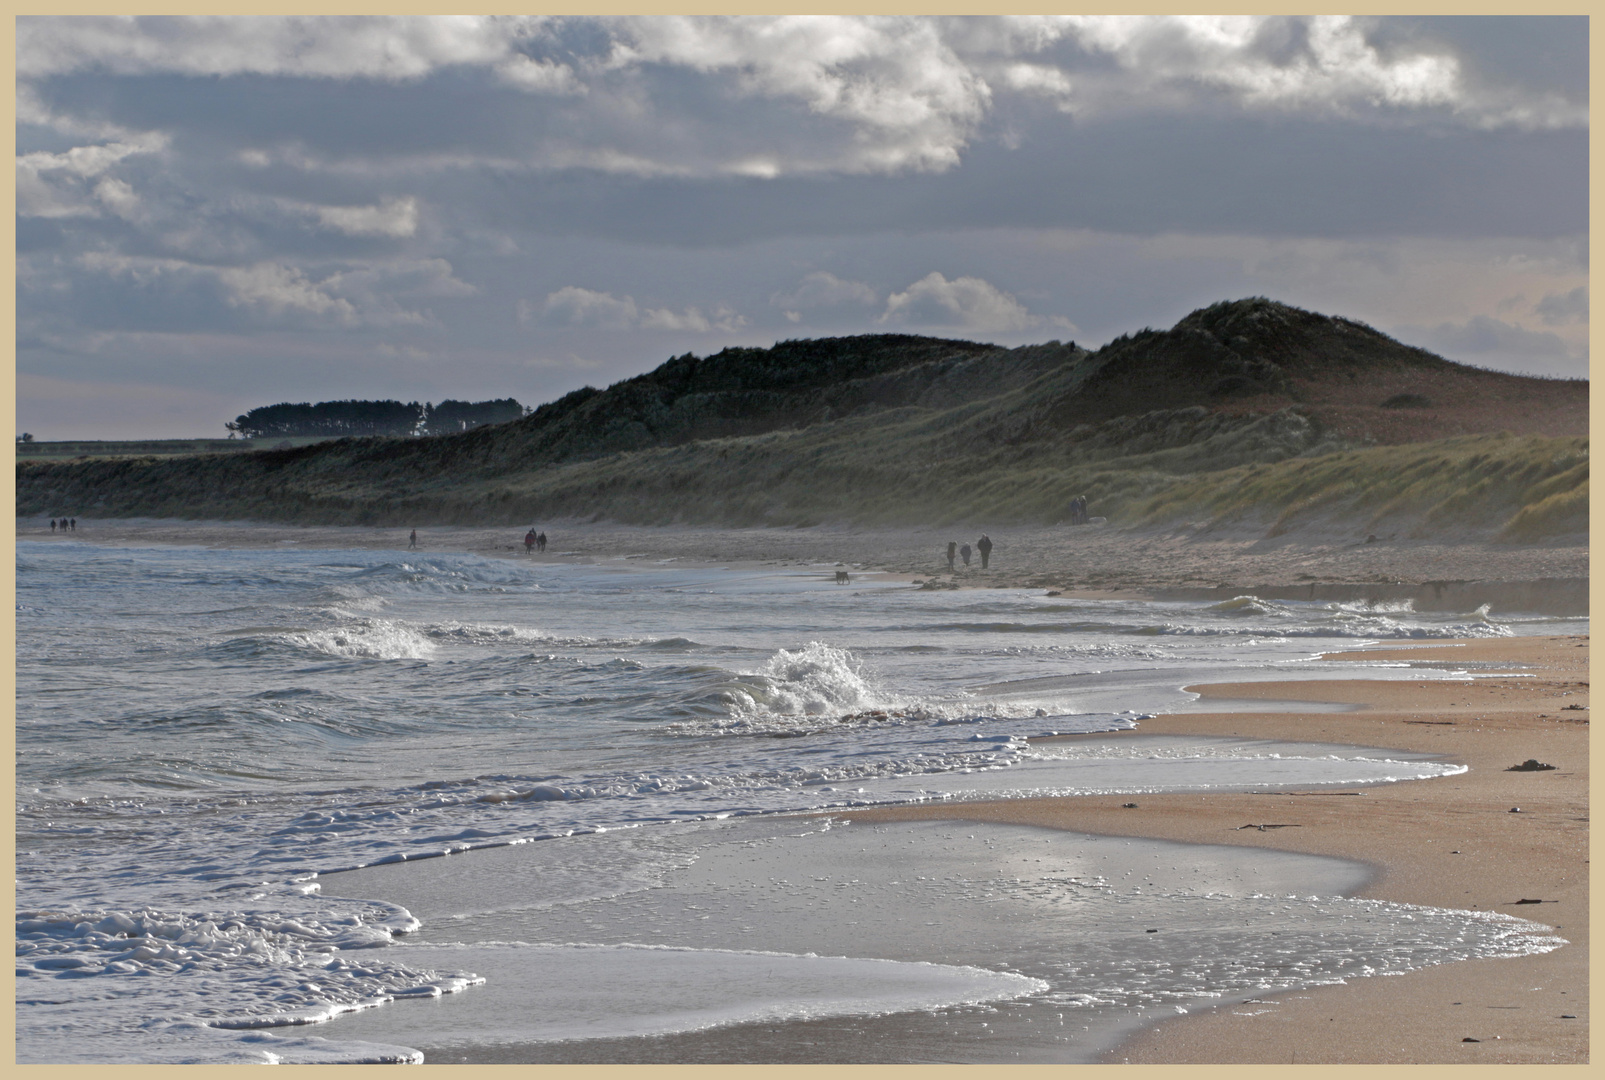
point(348, 418)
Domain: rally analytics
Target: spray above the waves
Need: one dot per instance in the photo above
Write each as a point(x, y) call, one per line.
point(816, 680)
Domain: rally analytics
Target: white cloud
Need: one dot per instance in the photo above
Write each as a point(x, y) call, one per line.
point(118, 197)
point(692, 320)
point(364, 294)
point(51, 185)
point(766, 97)
point(278, 289)
point(965, 303)
point(821, 288)
point(85, 161)
point(392, 217)
point(306, 46)
point(910, 100)
point(538, 75)
point(587, 307)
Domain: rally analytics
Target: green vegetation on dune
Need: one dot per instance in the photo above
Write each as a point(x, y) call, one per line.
point(1231, 419)
point(1519, 489)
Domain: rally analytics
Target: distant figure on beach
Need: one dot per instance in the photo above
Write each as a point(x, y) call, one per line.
point(540, 541)
point(1078, 510)
point(843, 577)
point(964, 553)
point(412, 539)
point(952, 552)
point(74, 524)
point(52, 524)
point(529, 541)
point(984, 546)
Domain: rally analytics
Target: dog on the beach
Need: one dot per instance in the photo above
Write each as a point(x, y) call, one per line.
point(843, 577)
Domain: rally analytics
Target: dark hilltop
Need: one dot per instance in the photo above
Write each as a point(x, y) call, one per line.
point(1247, 414)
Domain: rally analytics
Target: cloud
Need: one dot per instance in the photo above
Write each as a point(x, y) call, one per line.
point(1485, 334)
point(56, 185)
point(277, 289)
point(1493, 343)
point(821, 288)
point(270, 292)
point(586, 307)
point(768, 97)
point(965, 303)
point(1326, 61)
point(604, 311)
point(721, 319)
point(1319, 65)
point(307, 47)
point(1558, 309)
point(392, 217)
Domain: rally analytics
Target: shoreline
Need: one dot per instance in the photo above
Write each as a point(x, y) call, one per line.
point(1078, 563)
point(1449, 842)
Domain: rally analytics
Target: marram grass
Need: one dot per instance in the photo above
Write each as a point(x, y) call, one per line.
point(894, 467)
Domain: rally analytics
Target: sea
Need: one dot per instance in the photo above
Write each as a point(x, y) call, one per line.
point(288, 805)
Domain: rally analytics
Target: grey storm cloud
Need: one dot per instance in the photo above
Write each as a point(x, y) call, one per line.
point(540, 197)
point(1557, 309)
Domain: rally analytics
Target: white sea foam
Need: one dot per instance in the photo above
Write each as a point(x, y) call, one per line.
point(816, 680)
point(366, 639)
point(231, 969)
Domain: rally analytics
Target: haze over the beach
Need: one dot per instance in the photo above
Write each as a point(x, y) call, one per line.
point(223, 213)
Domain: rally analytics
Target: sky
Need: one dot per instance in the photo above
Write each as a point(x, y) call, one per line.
point(220, 213)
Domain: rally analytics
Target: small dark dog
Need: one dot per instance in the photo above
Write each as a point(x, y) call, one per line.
point(843, 577)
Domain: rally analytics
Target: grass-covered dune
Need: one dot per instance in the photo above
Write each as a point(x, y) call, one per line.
point(1245, 415)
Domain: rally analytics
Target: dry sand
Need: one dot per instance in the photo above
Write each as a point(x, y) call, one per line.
point(1451, 842)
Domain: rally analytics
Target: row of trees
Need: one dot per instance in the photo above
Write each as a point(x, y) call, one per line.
point(346, 418)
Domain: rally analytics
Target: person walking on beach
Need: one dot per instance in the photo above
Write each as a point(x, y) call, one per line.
point(52, 524)
point(964, 553)
point(74, 524)
point(412, 540)
point(984, 546)
point(952, 552)
point(529, 541)
point(540, 541)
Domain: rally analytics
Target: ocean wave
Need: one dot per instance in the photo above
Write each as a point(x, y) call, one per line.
point(437, 575)
point(816, 680)
point(485, 634)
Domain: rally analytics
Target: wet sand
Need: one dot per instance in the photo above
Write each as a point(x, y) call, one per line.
point(1079, 562)
point(1451, 842)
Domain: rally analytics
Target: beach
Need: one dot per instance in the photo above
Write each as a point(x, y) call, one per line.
point(1450, 842)
point(1078, 561)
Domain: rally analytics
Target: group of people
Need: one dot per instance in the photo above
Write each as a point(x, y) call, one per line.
point(533, 541)
point(983, 545)
point(1078, 510)
point(65, 524)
